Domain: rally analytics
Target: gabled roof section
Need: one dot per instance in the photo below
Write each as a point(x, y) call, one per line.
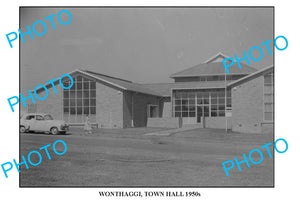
point(216, 58)
point(117, 83)
point(165, 89)
point(106, 76)
point(214, 68)
point(254, 75)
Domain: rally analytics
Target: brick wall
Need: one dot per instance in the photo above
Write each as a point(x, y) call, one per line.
point(109, 107)
point(166, 108)
point(247, 106)
point(113, 107)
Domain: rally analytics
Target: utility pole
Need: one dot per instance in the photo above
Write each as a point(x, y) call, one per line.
point(226, 124)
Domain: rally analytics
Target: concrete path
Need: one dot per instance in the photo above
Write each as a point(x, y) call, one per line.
point(172, 131)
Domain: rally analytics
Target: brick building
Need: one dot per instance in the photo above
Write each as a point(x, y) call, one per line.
point(253, 102)
point(202, 95)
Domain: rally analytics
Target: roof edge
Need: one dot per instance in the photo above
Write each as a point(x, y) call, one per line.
point(252, 76)
point(113, 77)
point(151, 92)
point(86, 74)
point(179, 75)
point(215, 56)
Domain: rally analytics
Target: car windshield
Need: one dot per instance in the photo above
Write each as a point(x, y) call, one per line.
point(48, 117)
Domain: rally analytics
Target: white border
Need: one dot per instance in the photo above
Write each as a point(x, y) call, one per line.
point(284, 198)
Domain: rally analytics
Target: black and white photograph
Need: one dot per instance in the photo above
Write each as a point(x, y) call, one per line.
point(146, 96)
point(149, 106)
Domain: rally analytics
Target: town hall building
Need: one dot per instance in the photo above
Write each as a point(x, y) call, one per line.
point(203, 95)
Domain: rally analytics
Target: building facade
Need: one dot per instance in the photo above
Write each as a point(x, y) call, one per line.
point(203, 95)
point(109, 102)
point(253, 102)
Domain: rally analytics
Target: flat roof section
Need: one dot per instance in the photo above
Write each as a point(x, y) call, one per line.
point(165, 88)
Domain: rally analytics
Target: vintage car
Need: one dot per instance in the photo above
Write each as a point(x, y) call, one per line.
point(40, 122)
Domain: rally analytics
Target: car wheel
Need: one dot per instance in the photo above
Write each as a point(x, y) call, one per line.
point(54, 131)
point(22, 129)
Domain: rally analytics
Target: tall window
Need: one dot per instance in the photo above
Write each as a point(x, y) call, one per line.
point(80, 100)
point(268, 97)
point(218, 104)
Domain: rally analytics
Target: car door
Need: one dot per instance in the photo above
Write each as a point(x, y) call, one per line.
point(40, 123)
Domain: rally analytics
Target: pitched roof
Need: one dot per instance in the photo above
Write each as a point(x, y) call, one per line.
point(249, 77)
point(214, 68)
point(165, 88)
point(162, 88)
point(215, 57)
point(118, 83)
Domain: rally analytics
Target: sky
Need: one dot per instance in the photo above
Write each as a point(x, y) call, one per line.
point(144, 45)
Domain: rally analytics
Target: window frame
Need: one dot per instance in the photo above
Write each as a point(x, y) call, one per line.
point(185, 102)
point(81, 103)
point(270, 93)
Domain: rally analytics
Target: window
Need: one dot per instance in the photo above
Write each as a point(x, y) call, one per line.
point(80, 100)
point(202, 78)
point(209, 78)
point(215, 78)
point(39, 118)
point(191, 103)
point(212, 78)
point(184, 104)
point(48, 117)
point(228, 94)
point(30, 117)
point(217, 103)
point(268, 97)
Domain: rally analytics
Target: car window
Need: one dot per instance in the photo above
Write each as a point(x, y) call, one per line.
point(48, 117)
point(29, 117)
point(39, 118)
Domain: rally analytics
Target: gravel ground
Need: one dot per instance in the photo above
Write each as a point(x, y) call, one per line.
point(128, 158)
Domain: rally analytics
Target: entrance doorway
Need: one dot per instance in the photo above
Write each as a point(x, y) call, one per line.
point(152, 111)
point(202, 112)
